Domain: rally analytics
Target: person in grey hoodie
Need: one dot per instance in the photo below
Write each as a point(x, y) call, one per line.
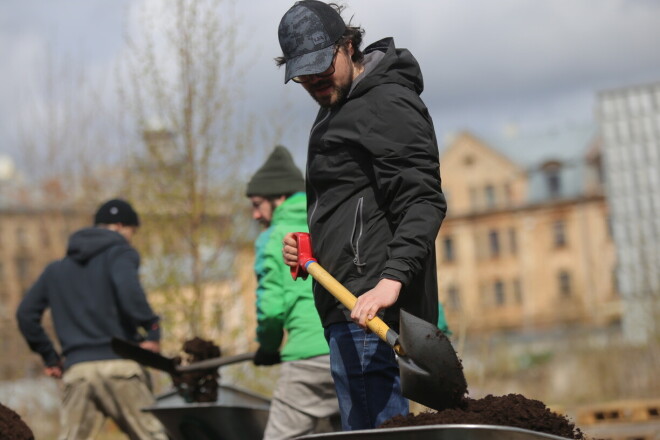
point(94, 294)
point(374, 198)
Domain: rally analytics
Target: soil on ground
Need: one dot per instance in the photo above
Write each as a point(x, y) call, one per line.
point(12, 427)
point(202, 385)
point(512, 410)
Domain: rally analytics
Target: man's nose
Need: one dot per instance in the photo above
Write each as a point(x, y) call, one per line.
point(313, 79)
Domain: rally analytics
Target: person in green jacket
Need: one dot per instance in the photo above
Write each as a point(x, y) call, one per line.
point(288, 326)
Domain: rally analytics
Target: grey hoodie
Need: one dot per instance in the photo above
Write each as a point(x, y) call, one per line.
point(94, 294)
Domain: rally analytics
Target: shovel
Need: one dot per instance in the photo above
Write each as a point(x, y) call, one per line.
point(431, 373)
point(129, 350)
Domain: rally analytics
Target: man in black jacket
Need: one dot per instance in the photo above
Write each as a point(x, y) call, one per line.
point(94, 294)
point(375, 202)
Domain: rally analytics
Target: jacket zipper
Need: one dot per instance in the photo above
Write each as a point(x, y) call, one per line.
point(316, 196)
point(358, 226)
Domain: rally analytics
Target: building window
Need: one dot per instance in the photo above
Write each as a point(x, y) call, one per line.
point(564, 283)
point(508, 194)
point(448, 249)
point(21, 237)
point(513, 241)
point(23, 266)
point(517, 291)
point(494, 243)
point(474, 198)
point(552, 174)
point(453, 298)
point(45, 237)
point(559, 233)
point(489, 192)
point(553, 182)
point(498, 290)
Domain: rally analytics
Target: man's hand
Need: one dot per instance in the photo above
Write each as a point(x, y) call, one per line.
point(371, 302)
point(151, 346)
point(262, 357)
point(53, 371)
point(290, 250)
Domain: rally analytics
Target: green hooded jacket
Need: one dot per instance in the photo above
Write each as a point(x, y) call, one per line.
point(285, 308)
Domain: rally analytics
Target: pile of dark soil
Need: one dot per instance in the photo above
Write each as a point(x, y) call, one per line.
point(202, 385)
point(510, 410)
point(12, 427)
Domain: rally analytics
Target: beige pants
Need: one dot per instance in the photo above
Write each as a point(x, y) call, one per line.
point(118, 389)
point(304, 395)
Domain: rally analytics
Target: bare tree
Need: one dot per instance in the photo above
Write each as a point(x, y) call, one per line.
point(180, 82)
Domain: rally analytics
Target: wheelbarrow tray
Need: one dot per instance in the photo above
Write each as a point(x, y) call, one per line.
point(438, 432)
point(237, 414)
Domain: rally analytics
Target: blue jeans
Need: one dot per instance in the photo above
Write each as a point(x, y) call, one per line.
point(366, 377)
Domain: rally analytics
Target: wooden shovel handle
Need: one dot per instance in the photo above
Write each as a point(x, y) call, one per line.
point(337, 290)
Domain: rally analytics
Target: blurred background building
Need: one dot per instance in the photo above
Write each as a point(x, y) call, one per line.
point(630, 129)
point(526, 245)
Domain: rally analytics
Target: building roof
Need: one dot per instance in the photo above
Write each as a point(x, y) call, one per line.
point(532, 150)
point(562, 151)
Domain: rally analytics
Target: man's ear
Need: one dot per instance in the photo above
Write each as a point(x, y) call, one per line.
point(278, 201)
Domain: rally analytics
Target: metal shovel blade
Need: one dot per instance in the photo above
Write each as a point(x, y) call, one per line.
point(132, 351)
point(431, 373)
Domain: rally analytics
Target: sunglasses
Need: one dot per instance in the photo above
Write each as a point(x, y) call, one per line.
point(325, 74)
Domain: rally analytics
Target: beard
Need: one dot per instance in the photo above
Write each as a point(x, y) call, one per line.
point(336, 98)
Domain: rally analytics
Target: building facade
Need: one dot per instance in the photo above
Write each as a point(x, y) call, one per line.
point(525, 245)
point(629, 120)
point(29, 239)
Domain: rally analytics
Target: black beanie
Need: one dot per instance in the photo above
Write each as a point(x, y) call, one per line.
point(278, 176)
point(116, 211)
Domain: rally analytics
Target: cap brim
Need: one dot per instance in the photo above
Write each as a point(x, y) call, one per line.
point(309, 63)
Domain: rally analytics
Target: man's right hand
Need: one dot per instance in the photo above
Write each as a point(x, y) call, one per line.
point(290, 250)
point(54, 371)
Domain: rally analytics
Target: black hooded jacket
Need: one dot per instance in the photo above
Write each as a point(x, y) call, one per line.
point(94, 293)
point(375, 202)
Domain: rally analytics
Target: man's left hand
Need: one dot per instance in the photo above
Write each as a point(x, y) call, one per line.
point(151, 346)
point(265, 358)
point(371, 302)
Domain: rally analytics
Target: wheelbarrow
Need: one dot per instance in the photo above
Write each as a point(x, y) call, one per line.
point(237, 414)
point(438, 432)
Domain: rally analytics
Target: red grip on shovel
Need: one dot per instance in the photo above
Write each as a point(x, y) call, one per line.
point(304, 255)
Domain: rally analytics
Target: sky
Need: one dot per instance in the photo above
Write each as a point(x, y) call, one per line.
point(490, 66)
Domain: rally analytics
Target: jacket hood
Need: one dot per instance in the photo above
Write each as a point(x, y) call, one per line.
point(89, 242)
point(292, 210)
point(384, 64)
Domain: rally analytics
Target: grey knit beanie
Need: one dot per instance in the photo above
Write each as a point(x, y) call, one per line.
point(278, 176)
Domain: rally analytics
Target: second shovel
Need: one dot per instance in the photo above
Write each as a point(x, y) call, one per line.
point(132, 351)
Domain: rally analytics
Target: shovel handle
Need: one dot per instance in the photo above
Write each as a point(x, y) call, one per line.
point(215, 362)
point(307, 264)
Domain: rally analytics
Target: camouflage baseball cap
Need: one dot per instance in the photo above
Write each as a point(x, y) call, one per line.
point(307, 33)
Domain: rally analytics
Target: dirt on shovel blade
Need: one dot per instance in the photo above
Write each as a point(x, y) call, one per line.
point(510, 410)
point(202, 385)
point(12, 427)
